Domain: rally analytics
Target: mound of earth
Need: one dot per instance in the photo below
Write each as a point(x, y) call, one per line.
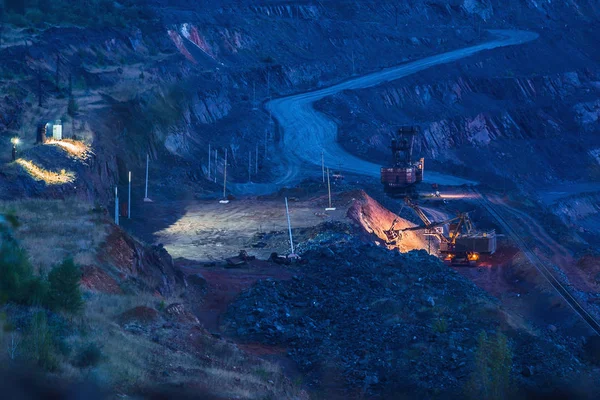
point(375, 219)
point(363, 320)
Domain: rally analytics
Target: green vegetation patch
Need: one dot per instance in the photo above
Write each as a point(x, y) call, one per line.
point(87, 13)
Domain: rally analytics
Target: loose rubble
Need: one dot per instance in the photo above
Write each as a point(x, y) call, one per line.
point(380, 321)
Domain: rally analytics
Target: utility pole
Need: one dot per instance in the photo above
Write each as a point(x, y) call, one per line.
point(225, 201)
point(287, 212)
point(146, 199)
point(209, 155)
point(330, 208)
point(116, 206)
point(129, 198)
point(323, 165)
point(225, 175)
point(216, 164)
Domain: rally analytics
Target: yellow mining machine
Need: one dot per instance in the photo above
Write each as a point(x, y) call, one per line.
point(463, 244)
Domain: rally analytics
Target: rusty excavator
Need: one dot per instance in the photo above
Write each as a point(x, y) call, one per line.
point(463, 244)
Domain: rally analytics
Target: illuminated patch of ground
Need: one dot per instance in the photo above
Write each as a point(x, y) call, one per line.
point(41, 174)
point(74, 147)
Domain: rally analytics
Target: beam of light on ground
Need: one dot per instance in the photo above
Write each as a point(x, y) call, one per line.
point(49, 177)
point(75, 148)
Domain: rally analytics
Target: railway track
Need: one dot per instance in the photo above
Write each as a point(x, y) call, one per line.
point(539, 264)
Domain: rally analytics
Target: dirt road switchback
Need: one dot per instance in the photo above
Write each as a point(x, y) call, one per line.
point(307, 132)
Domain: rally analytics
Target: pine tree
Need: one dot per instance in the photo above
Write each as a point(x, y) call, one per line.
point(490, 378)
point(64, 287)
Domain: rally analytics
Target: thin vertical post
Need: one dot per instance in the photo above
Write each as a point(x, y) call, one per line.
point(216, 164)
point(225, 176)
point(287, 211)
point(329, 187)
point(116, 206)
point(323, 165)
point(147, 166)
point(209, 156)
point(129, 198)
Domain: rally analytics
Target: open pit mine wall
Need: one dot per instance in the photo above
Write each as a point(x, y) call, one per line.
point(530, 122)
point(483, 125)
point(219, 53)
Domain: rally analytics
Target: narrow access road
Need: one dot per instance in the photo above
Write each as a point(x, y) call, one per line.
point(307, 132)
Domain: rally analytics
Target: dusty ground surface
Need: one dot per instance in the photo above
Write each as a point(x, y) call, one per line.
point(206, 230)
point(210, 231)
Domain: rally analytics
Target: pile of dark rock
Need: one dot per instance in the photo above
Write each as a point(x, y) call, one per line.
point(380, 322)
point(367, 313)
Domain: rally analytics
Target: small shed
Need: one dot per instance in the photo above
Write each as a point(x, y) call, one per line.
point(57, 130)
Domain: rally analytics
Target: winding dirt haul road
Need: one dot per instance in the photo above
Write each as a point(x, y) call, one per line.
point(307, 132)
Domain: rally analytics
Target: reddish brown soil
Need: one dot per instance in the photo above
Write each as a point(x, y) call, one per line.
point(138, 314)
point(224, 284)
point(96, 279)
point(494, 273)
point(117, 251)
point(545, 246)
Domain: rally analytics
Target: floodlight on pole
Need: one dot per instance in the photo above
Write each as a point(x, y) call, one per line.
point(15, 142)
